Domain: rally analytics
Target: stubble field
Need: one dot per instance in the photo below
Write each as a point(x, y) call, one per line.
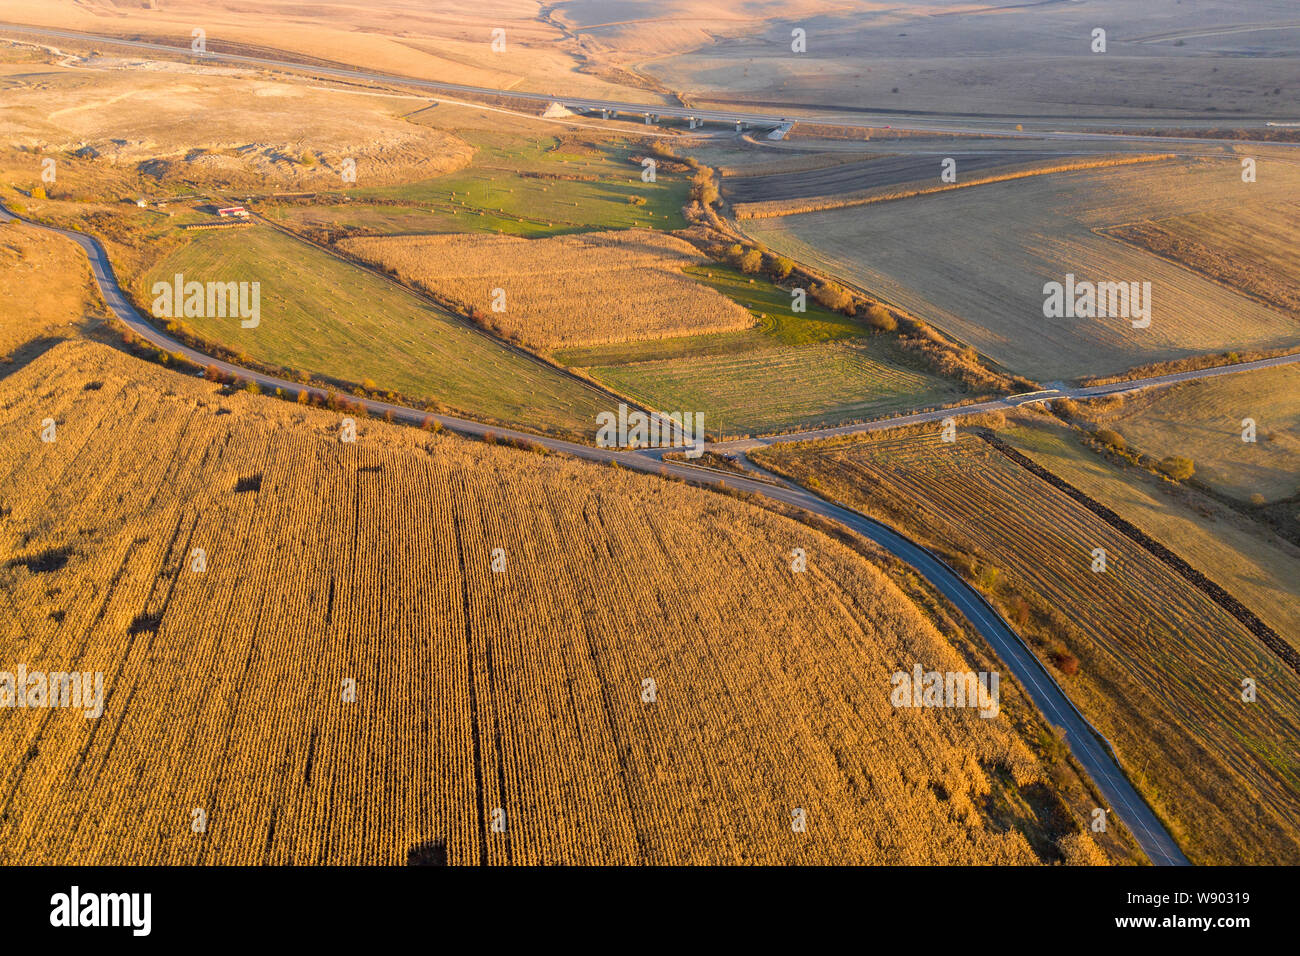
point(974, 262)
point(595, 288)
point(1249, 247)
point(1154, 663)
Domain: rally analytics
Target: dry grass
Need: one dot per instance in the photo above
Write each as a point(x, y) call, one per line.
point(448, 41)
point(45, 287)
point(474, 690)
point(184, 125)
point(589, 289)
point(1202, 420)
point(1159, 665)
point(951, 57)
point(1250, 248)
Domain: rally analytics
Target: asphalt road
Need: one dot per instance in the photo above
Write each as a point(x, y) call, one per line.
point(1004, 404)
point(1092, 751)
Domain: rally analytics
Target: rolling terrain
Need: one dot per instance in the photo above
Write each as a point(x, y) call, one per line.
point(412, 648)
point(369, 566)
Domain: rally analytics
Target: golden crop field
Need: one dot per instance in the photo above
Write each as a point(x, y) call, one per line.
point(1151, 660)
point(495, 716)
point(589, 289)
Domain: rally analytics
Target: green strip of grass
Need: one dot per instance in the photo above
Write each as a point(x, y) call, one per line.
point(776, 388)
point(497, 194)
point(323, 315)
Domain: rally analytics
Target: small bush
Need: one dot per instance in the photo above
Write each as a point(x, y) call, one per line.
point(1064, 661)
point(1020, 611)
point(781, 267)
point(834, 297)
point(1067, 408)
point(1110, 438)
point(1177, 467)
point(878, 317)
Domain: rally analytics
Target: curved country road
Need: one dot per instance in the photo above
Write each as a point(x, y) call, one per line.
point(1091, 750)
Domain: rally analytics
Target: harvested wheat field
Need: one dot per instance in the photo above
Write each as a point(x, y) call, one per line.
point(1152, 661)
point(975, 261)
point(588, 289)
point(1249, 247)
point(499, 717)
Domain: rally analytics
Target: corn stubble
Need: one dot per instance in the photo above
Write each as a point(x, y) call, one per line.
point(588, 289)
point(475, 690)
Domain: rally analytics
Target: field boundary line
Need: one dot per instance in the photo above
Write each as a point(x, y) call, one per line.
point(1104, 232)
point(1215, 592)
point(828, 202)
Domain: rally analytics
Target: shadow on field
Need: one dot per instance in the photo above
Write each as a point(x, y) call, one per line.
point(432, 853)
point(27, 353)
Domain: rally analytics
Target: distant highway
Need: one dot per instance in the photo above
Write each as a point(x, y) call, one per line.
point(1092, 751)
point(730, 117)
